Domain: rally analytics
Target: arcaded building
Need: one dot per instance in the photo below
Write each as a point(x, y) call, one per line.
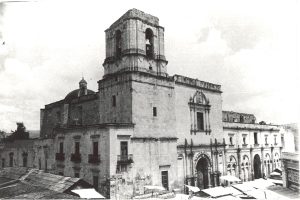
point(146, 127)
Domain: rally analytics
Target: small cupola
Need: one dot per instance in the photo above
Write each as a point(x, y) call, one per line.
point(82, 87)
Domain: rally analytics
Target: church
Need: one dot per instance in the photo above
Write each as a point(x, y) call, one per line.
point(146, 127)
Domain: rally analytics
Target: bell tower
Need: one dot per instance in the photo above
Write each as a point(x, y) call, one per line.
point(135, 42)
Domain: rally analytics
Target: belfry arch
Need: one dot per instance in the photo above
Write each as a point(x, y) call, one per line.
point(149, 43)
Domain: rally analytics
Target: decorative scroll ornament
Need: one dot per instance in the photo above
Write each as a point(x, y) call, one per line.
point(199, 98)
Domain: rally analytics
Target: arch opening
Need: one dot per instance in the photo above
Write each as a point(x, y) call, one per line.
point(202, 173)
point(149, 43)
point(267, 165)
point(118, 36)
point(257, 167)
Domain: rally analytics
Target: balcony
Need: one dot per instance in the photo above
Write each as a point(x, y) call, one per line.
point(94, 158)
point(256, 145)
point(125, 159)
point(245, 145)
point(76, 157)
point(60, 156)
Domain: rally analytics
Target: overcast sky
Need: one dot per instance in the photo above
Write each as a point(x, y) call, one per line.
point(249, 47)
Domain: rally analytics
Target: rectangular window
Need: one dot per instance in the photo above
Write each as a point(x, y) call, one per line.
point(241, 119)
point(282, 142)
point(244, 139)
point(255, 138)
point(58, 116)
point(154, 111)
point(114, 101)
point(164, 179)
point(46, 165)
point(95, 182)
point(230, 140)
point(124, 148)
point(3, 162)
point(40, 163)
point(76, 174)
point(25, 161)
point(200, 122)
point(61, 147)
point(275, 142)
point(11, 160)
point(266, 139)
point(77, 148)
point(95, 148)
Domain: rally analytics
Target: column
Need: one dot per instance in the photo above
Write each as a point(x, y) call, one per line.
point(251, 164)
point(212, 155)
point(208, 121)
point(272, 158)
point(209, 177)
point(191, 115)
point(215, 179)
point(239, 161)
point(224, 158)
point(262, 162)
point(195, 118)
point(205, 120)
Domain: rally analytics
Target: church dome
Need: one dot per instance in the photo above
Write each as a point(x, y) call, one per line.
point(75, 94)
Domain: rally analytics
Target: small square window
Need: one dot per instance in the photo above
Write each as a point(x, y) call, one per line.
point(76, 174)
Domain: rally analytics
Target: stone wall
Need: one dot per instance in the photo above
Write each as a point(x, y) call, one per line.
point(81, 111)
point(183, 94)
point(17, 149)
point(85, 136)
point(153, 93)
point(120, 87)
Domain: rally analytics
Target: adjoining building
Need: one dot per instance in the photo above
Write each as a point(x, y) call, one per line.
point(145, 127)
point(290, 159)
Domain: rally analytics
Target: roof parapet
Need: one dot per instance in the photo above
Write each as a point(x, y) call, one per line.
point(196, 83)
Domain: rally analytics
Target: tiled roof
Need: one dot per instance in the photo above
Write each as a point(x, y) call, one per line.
point(13, 172)
point(51, 181)
point(26, 191)
point(36, 184)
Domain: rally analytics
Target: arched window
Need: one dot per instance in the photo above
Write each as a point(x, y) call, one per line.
point(149, 43)
point(118, 43)
point(231, 167)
